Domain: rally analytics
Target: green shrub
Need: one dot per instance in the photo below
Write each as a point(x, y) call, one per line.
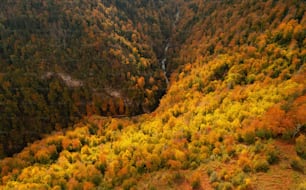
point(193, 165)
point(238, 179)
point(96, 179)
point(300, 146)
point(213, 177)
point(225, 186)
point(209, 171)
point(152, 188)
point(195, 184)
point(178, 178)
point(263, 133)
point(272, 156)
point(128, 183)
point(258, 146)
point(297, 165)
point(261, 165)
point(249, 137)
point(196, 180)
point(120, 126)
point(93, 128)
point(287, 135)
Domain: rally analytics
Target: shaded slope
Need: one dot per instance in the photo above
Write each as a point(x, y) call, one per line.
point(61, 60)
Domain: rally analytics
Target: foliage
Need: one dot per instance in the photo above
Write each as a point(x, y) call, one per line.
point(261, 165)
point(300, 146)
point(297, 164)
point(63, 60)
point(236, 94)
point(302, 186)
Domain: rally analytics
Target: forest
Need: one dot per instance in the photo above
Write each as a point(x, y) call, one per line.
point(85, 103)
point(63, 60)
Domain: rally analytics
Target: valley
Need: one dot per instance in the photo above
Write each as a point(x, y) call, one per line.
point(153, 94)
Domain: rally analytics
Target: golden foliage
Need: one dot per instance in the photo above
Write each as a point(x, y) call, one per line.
point(241, 89)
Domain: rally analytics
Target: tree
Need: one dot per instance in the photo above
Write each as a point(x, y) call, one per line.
point(141, 82)
point(121, 106)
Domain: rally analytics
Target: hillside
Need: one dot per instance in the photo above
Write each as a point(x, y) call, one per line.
point(61, 60)
point(233, 117)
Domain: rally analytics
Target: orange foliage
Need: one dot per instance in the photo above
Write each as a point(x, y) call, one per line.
point(174, 164)
point(88, 185)
point(273, 119)
point(141, 82)
point(71, 144)
point(123, 172)
point(73, 184)
point(244, 82)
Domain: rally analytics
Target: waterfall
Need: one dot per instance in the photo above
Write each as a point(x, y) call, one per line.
point(164, 59)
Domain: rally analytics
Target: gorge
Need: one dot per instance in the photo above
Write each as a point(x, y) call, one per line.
point(152, 94)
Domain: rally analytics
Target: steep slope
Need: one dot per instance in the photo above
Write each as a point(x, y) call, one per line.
point(61, 60)
point(233, 117)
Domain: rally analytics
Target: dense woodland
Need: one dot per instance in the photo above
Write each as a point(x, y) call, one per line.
point(233, 116)
point(62, 60)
